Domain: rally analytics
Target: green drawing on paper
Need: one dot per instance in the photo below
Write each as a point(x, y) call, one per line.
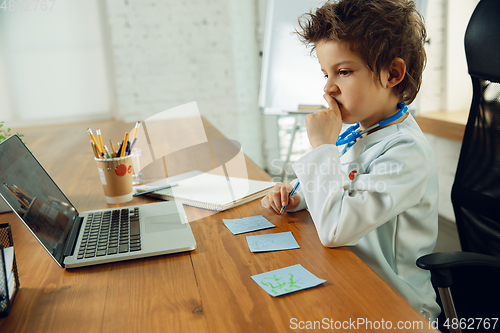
point(280, 283)
point(286, 280)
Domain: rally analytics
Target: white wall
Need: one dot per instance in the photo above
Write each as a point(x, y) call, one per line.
point(458, 83)
point(53, 64)
point(446, 84)
point(430, 97)
point(167, 53)
point(74, 62)
point(5, 100)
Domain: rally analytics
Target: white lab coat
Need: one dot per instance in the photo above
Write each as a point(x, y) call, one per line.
point(387, 213)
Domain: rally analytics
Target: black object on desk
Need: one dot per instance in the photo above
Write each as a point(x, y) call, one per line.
point(6, 299)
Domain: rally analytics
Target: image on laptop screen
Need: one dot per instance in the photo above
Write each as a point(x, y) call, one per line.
point(34, 196)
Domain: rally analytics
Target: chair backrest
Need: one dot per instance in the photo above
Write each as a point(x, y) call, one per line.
point(476, 189)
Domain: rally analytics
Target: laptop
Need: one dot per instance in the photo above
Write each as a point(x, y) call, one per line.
point(76, 239)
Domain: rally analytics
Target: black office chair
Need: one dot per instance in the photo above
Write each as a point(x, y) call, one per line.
point(473, 276)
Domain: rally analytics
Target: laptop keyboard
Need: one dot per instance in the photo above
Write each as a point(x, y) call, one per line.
point(110, 232)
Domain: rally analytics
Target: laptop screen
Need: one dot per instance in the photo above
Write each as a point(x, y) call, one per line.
point(34, 197)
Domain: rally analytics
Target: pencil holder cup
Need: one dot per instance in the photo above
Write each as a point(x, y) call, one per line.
point(116, 178)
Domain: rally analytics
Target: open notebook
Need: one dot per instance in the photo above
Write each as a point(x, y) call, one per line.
point(209, 191)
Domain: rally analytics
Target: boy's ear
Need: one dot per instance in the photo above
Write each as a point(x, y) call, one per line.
point(397, 71)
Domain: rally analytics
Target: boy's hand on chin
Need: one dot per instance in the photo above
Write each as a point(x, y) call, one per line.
point(324, 126)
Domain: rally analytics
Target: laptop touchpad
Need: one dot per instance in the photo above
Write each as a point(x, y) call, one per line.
point(163, 223)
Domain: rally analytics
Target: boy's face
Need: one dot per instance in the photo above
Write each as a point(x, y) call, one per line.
point(360, 95)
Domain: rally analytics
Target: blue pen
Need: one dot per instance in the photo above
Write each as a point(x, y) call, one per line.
point(283, 208)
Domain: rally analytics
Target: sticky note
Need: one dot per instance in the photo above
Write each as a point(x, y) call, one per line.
point(286, 280)
point(272, 242)
point(247, 224)
point(102, 176)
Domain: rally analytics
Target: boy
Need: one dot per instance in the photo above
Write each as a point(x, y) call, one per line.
point(379, 195)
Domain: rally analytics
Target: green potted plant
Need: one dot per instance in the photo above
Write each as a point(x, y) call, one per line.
point(4, 134)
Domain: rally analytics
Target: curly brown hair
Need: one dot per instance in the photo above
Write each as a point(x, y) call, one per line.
point(378, 30)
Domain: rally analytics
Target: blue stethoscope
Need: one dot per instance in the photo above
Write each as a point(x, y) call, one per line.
point(353, 132)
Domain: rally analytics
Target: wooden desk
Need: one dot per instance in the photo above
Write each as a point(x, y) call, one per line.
point(449, 125)
point(206, 290)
